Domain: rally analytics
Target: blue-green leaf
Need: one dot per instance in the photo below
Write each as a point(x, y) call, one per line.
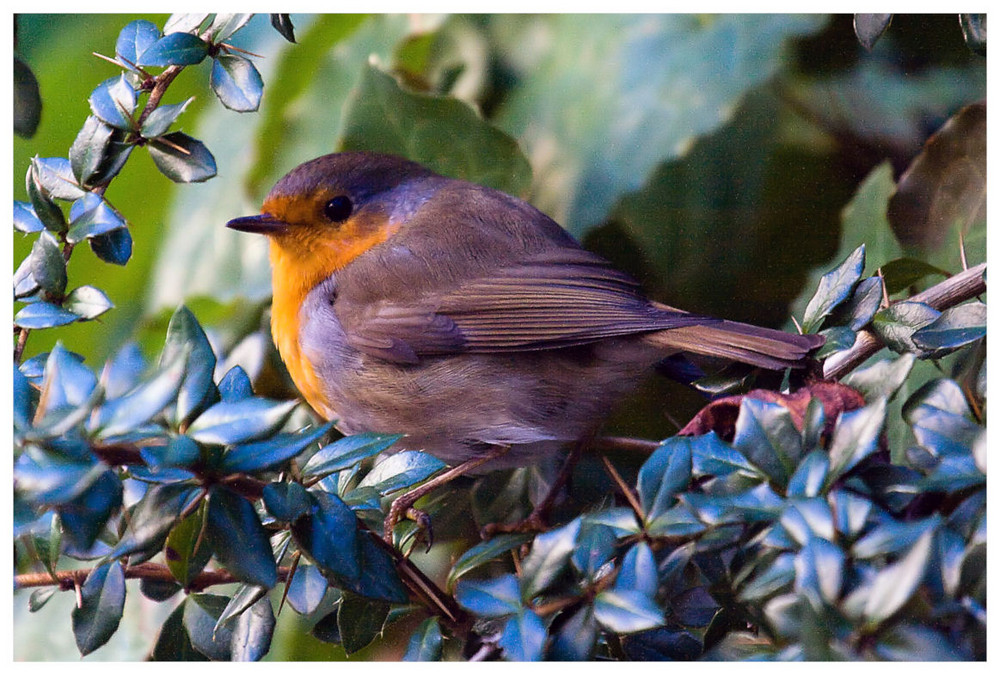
point(810, 476)
point(770, 580)
point(576, 637)
point(838, 338)
point(819, 572)
point(134, 39)
point(127, 412)
point(862, 305)
point(766, 436)
point(159, 121)
point(102, 600)
point(550, 553)
point(157, 512)
point(494, 597)
point(87, 302)
point(523, 637)
point(402, 470)
point(347, 452)
point(892, 536)
point(595, 546)
point(235, 385)
point(954, 328)
point(84, 517)
point(201, 616)
point(855, 437)
point(239, 540)
point(114, 247)
point(50, 479)
point(626, 611)
point(180, 451)
point(665, 474)
point(359, 621)
point(251, 639)
point(834, 288)
point(484, 552)
point(638, 571)
point(896, 324)
point(25, 219)
point(230, 422)
point(895, 584)
point(425, 642)
point(181, 158)
point(237, 83)
point(225, 25)
point(287, 501)
point(45, 209)
point(712, 456)
point(99, 152)
point(185, 334)
point(114, 102)
point(329, 535)
point(55, 177)
point(881, 379)
point(48, 266)
point(283, 24)
point(272, 452)
point(306, 589)
point(175, 49)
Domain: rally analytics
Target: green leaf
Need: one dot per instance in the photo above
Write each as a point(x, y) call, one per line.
point(870, 27)
point(444, 134)
point(940, 418)
point(172, 643)
point(306, 589)
point(835, 287)
point(40, 597)
point(347, 452)
point(27, 100)
point(127, 412)
point(48, 267)
point(25, 220)
point(102, 600)
point(679, 521)
point(230, 422)
point(252, 633)
point(287, 501)
point(235, 385)
point(272, 452)
point(92, 216)
point(766, 436)
point(425, 642)
point(43, 315)
point(201, 615)
point(626, 611)
point(114, 247)
point(915, 642)
point(360, 621)
point(87, 302)
point(862, 305)
point(159, 121)
point(185, 23)
point(402, 470)
point(175, 49)
point(653, 85)
point(239, 540)
point(638, 571)
point(329, 535)
point(484, 552)
point(237, 83)
point(86, 516)
point(713, 457)
point(550, 553)
point(47, 210)
point(902, 273)
point(810, 475)
point(55, 177)
point(954, 328)
point(283, 24)
point(494, 597)
point(523, 637)
point(184, 552)
point(838, 338)
point(181, 158)
point(225, 25)
point(113, 102)
point(99, 152)
point(806, 519)
point(134, 39)
point(595, 546)
point(771, 579)
point(850, 512)
point(185, 334)
point(154, 516)
point(666, 473)
point(819, 572)
point(575, 640)
point(881, 379)
point(896, 324)
point(855, 437)
point(894, 585)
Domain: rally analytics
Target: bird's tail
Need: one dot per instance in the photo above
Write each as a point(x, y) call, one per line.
point(764, 347)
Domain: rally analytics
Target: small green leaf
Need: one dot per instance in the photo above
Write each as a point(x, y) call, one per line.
point(185, 23)
point(201, 615)
point(181, 158)
point(113, 102)
point(861, 307)
point(272, 452)
point(870, 27)
point(235, 385)
point(550, 553)
point(287, 501)
point(185, 334)
point(102, 600)
point(253, 631)
point(154, 516)
point(666, 473)
point(25, 220)
point(402, 470)
point(85, 517)
point(770, 580)
point(810, 475)
point(43, 315)
point(40, 597)
point(939, 416)
point(225, 25)
point(838, 338)
point(145, 401)
point(679, 521)
point(494, 597)
point(767, 437)
point(175, 49)
point(855, 437)
point(172, 643)
point(360, 621)
point(595, 546)
point(954, 328)
point(242, 600)
point(896, 324)
point(239, 540)
point(425, 642)
point(484, 552)
point(894, 585)
point(819, 572)
point(185, 552)
point(159, 121)
point(626, 611)
point(48, 267)
point(306, 589)
point(347, 452)
point(231, 422)
point(134, 39)
point(99, 152)
point(638, 571)
point(575, 639)
point(834, 288)
point(283, 24)
point(881, 379)
point(114, 247)
point(45, 209)
point(329, 535)
point(902, 273)
point(55, 177)
point(237, 83)
point(523, 637)
point(87, 302)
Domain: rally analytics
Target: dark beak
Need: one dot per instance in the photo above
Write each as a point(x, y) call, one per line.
point(264, 223)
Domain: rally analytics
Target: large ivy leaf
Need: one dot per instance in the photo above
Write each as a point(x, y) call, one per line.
point(652, 85)
point(442, 133)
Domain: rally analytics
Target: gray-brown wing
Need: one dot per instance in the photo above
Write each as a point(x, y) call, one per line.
point(555, 299)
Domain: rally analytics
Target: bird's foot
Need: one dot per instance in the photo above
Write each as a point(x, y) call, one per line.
point(537, 521)
point(403, 508)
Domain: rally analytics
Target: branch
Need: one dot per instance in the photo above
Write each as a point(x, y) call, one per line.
point(952, 291)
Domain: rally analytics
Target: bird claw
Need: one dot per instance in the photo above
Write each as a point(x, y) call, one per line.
point(535, 522)
point(399, 510)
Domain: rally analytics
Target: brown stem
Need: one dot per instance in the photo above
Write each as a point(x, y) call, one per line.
point(163, 81)
point(22, 340)
point(952, 291)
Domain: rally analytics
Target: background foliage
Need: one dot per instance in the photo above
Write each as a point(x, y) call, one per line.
point(726, 161)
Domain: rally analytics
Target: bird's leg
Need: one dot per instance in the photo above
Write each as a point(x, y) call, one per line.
point(537, 520)
point(403, 505)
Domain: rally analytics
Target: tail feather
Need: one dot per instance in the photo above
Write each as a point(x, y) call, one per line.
point(764, 347)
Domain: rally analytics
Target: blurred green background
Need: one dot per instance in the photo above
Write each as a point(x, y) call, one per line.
point(710, 156)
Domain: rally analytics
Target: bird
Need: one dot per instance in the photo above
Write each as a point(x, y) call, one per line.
point(463, 317)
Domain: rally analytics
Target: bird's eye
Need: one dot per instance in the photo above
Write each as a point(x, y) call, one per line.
point(338, 209)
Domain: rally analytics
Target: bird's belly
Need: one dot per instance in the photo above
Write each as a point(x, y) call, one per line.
point(458, 406)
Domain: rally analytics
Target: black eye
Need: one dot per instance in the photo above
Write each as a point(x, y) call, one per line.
point(338, 209)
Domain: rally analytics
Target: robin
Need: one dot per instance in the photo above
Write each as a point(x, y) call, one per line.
point(463, 317)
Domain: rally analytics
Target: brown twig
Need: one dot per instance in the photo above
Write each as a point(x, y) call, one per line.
point(952, 291)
